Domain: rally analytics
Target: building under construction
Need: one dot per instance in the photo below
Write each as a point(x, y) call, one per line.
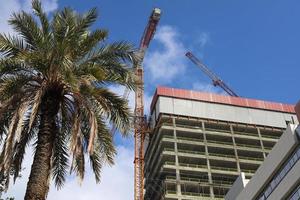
point(201, 142)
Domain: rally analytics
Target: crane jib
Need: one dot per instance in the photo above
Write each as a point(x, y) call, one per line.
point(215, 79)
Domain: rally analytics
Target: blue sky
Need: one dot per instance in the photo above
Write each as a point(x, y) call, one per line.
point(252, 45)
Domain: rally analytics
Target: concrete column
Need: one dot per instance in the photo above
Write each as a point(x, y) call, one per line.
point(235, 149)
point(261, 143)
point(178, 186)
point(211, 189)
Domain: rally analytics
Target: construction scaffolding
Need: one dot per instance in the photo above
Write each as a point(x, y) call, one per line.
point(203, 141)
point(200, 158)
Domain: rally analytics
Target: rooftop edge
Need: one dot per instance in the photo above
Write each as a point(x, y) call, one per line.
point(222, 99)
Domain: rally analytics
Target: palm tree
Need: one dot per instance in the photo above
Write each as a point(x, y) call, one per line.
point(54, 78)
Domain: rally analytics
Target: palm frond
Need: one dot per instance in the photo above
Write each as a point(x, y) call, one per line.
point(115, 107)
point(85, 21)
point(11, 46)
point(78, 163)
point(25, 25)
point(75, 133)
point(90, 41)
point(37, 7)
point(13, 67)
point(105, 140)
point(27, 135)
point(62, 62)
point(96, 163)
point(35, 107)
point(13, 136)
point(9, 85)
point(96, 158)
point(93, 131)
point(60, 157)
point(117, 52)
point(63, 25)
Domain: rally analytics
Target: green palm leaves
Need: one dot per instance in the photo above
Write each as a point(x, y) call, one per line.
point(53, 80)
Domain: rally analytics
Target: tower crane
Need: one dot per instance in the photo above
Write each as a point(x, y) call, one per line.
point(140, 125)
point(215, 79)
point(140, 120)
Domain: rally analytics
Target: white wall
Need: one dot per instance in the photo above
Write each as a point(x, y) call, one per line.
point(237, 187)
point(221, 112)
point(280, 152)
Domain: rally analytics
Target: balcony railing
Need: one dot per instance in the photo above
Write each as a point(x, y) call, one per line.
point(217, 142)
point(199, 181)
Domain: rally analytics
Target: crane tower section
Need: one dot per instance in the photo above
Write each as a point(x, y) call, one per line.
point(140, 121)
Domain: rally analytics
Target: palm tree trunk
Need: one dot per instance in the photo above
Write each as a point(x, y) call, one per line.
point(39, 179)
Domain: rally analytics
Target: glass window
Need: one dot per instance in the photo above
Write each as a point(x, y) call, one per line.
point(273, 184)
point(289, 163)
point(295, 158)
point(292, 162)
point(298, 153)
point(281, 175)
point(268, 191)
point(277, 179)
point(295, 196)
point(286, 168)
point(262, 198)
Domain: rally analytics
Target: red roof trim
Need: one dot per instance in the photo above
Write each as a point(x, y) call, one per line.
point(221, 99)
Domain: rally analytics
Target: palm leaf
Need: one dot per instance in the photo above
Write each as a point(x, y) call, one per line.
point(60, 157)
point(61, 64)
point(37, 7)
point(25, 25)
point(11, 46)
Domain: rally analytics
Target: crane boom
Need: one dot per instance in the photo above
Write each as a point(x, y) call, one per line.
point(140, 121)
point(150, 28)
point(216, 80)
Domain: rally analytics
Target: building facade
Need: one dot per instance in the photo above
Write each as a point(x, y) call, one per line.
point(278, 177)
point(201, 142)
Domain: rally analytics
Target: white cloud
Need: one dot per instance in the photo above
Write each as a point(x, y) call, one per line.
point(18, 190)
point(8, 7)
point(167, 63)
point(170, 62)
point(205, 87)
point(116, 181)
point(203, 39)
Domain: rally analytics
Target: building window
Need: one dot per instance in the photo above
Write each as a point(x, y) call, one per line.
point(284, 170)
point(295, 194)
point(298, 132)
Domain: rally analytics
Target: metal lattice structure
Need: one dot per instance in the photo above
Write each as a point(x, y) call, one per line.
point(216, 80)
point(140, 119)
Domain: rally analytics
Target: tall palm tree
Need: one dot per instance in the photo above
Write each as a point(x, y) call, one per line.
point(54, 78)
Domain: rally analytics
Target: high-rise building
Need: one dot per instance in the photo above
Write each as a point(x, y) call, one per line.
point(201, 142)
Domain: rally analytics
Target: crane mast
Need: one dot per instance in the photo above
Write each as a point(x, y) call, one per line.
point(140, 119)
point(215, 79)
